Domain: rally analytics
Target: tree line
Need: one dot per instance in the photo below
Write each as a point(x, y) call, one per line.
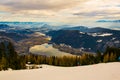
point(10, 59)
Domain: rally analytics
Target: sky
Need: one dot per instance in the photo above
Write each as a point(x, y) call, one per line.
point(60, 11)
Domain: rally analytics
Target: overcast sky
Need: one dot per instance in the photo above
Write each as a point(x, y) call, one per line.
point(63, 11)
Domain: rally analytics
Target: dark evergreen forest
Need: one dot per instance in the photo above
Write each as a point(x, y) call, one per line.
point(9, 58)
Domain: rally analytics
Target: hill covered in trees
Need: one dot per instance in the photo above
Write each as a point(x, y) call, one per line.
point(90, 40)
point(10, 59)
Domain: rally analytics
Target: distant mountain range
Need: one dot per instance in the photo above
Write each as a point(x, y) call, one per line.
point(80, 28)
point(22, 38)
point(87, 39)
point(90, 39)
point(115, 21)
point(86, 29)
point(29, 27)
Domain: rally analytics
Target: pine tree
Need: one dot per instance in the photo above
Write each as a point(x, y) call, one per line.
point(106, 58)
point(2, 50)
point(3, 63)
point(113, 57)
point(98, 56)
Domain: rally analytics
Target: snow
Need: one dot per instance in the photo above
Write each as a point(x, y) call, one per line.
point(82, 33)
point(38, 33)
point(113, 38)
point(101, 35)
point(117, 42)
point(103, 71)
point(2, 30)
point(105, 34)
point(99, 41)
point(92, 34)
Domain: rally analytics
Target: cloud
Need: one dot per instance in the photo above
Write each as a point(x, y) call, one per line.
point(90, 14)
point(64, 11)
point(41, 4)
point(98, 14)
point(99, 9)
point(106, 21)
point(44, 8)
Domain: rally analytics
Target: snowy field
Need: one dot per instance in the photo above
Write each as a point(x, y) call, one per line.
point(103, 71)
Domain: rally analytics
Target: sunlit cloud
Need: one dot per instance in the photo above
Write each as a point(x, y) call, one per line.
point(40, 4)
point(64, 11)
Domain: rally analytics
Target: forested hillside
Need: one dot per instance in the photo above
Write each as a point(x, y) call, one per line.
point(10, 59)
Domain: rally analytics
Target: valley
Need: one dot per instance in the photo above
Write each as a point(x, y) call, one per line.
point(74, 40)
point(59, 40)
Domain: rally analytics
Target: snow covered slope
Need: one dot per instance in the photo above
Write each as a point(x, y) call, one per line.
point(103, 71)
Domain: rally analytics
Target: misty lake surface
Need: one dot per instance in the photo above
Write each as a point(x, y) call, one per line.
point(48, 50)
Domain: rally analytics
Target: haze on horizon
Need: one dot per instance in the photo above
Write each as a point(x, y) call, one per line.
point(77, 12)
